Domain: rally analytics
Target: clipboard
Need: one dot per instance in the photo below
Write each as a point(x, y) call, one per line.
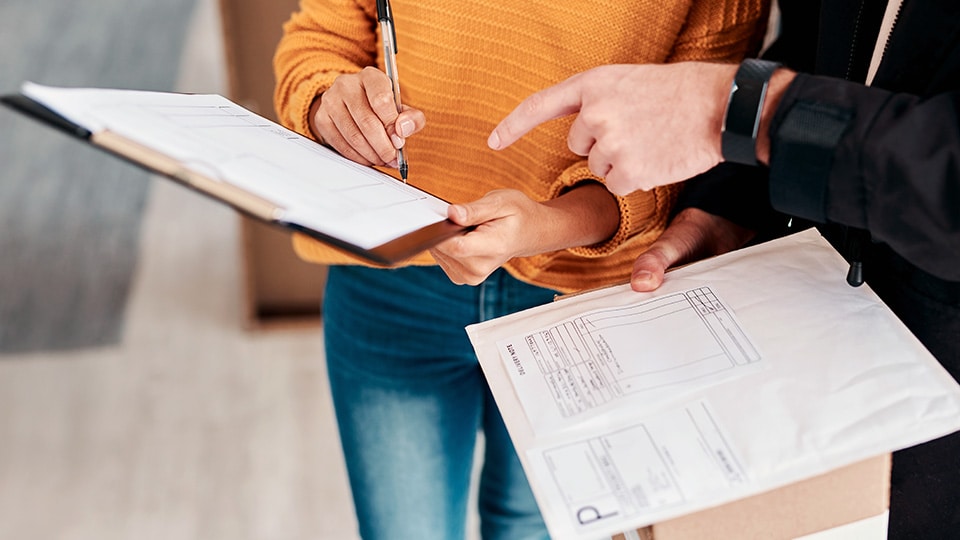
point(222, 187)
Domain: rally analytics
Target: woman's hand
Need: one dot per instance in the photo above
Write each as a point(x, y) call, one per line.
point(507, 223)
point(357, 116)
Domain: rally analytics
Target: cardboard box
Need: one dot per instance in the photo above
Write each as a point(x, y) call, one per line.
point(844, 496)
point(280, 288)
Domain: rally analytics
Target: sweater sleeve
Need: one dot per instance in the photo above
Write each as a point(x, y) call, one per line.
point(722, 31)
point(846, 153)
point(337, 34)
point(641, 212)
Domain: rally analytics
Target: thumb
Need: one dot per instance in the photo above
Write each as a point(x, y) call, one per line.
point(651, 265)
point(476, 212)
point(693, 234)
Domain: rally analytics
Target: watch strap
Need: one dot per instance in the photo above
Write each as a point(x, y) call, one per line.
point(741, 122)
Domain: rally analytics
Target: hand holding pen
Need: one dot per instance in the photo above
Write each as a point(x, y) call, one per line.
point(389, 35)
point(361, 116)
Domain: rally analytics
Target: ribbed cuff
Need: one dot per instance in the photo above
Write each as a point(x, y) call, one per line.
point(639, 212)
point(299, 106)
point(804, 138)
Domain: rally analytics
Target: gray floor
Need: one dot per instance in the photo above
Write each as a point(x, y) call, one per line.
point(189, 427)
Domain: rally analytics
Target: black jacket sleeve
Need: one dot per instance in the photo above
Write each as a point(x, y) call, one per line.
point(867, 158)
point(738, 193)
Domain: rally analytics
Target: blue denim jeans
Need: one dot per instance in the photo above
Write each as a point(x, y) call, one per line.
point(410, 399)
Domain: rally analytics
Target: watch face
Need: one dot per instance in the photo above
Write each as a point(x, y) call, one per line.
point(742, 115)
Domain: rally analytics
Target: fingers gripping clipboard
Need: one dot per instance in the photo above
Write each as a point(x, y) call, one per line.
point(232, 155)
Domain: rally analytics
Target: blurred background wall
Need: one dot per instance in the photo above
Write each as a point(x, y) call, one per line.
point(71, 216)
point(137, 400)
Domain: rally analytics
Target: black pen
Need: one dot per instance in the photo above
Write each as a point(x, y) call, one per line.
point(385, 17)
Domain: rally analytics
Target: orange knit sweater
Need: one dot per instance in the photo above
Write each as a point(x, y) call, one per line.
point(467, 64)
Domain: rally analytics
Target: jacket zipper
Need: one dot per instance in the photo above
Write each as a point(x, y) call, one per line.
point(890, 18)
point(854, 40)
point(856, 239)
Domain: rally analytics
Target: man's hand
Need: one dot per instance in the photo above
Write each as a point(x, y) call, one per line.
point(692, 235)
point(642, 126)
point(357, 116)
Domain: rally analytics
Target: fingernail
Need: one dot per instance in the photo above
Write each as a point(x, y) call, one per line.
point(397, 141)
point(494, 141)
point(643, 281)
point(394, 164)
point(643, 275)
point(406, 128)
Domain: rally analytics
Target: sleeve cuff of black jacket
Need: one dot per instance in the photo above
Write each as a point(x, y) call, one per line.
point(815, 146)
point(732, 191)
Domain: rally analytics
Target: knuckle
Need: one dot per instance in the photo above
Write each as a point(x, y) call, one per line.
point(533, 105)
point(456, 279)
point(369, 124)
point(325, 126)
point(335, 87)
point(369, 71)
point(596, 123)
point(356, 140)
point(474, 278)
point(383, 101)
point(496, 196)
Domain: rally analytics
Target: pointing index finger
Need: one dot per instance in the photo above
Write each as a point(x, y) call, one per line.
point(559, 100)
